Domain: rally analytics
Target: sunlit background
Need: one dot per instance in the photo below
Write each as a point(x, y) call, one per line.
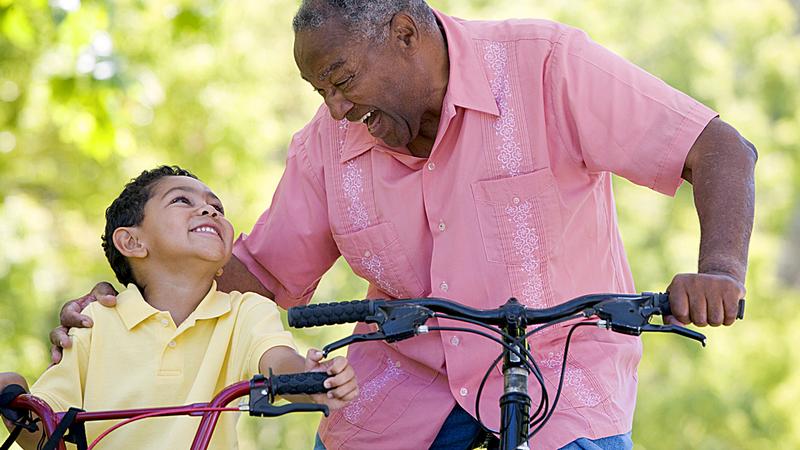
point(93, 92)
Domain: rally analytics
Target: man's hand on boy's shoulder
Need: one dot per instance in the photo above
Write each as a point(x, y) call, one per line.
point(342, 384)
point(71, 317)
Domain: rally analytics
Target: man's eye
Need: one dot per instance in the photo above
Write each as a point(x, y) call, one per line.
point(344, 82)
point(220, 209)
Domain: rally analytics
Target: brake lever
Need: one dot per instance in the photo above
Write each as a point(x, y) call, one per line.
point(632, 317)
point(677, 329)
point(352, 339)
point(267, 410)
point(397, 323)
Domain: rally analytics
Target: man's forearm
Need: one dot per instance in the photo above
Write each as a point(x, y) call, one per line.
point(721, 170)
point(236, 277)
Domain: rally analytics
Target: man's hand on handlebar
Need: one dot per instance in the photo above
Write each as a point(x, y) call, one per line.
point(71, 317)
point(705, 298)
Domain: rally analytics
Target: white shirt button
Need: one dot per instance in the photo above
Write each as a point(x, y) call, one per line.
point(172, 344)
point(444, 286)
point(431, 166)
point(455, 340)
point(442, 226)
point(515, 200)
point(464, 391)
point(367, 254)
point(164, 322)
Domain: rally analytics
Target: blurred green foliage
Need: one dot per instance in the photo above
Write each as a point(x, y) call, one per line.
point(92, 92)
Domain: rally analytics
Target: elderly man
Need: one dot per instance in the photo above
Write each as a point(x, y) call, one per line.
point(473, 161)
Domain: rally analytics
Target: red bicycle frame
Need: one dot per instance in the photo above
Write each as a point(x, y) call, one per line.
point(262, 392)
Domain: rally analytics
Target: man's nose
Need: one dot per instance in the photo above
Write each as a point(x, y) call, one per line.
point(338, 105)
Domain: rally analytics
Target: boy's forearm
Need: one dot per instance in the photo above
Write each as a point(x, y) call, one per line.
point(281, 359)
point(26, 440)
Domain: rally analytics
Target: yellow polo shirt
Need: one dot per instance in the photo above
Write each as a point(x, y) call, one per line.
point(135, 357)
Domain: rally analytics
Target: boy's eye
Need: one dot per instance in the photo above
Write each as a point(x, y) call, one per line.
point(220, 209)
point(181, 199)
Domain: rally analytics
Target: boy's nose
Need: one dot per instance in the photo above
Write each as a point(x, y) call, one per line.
point(209, 210)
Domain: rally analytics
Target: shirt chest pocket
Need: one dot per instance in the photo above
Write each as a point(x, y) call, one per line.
point(376, 254)
point(520, 224)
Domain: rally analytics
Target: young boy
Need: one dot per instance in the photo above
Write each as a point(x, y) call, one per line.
point(173, 339)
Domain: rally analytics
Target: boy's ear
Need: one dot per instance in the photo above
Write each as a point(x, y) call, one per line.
point(127, 242)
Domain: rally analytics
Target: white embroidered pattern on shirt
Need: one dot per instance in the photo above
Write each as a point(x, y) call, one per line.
point(353, 186)
point(573, 377)
point(526, 245)
point(374, 266)
point(370, 389)
point(510, 152)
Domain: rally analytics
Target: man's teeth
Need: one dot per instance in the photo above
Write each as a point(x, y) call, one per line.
point(366, 116)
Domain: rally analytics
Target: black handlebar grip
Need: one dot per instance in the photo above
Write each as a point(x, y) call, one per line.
point(298, 383)
point(662, 302)
point(330, 313)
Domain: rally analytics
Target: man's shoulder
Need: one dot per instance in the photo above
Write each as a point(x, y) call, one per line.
point(516, 29)
point(320, 126)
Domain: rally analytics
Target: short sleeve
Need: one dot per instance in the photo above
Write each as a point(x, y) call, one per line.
point(291, 245)
point(613, 116)
point(259, 328)
point(62, 386)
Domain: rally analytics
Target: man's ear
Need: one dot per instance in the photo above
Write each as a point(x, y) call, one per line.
point(403, 30)
point(128, 243)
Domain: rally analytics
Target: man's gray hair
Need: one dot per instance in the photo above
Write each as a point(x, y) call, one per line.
point(364, 19)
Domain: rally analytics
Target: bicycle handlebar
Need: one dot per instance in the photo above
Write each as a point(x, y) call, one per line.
point(403, 318)
point(370, 311)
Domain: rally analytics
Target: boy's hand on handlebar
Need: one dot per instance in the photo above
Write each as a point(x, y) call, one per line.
point(71, 317)
point(341, 382)
point(705, 298)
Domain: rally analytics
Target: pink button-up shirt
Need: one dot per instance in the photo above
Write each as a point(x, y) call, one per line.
point(514, 200)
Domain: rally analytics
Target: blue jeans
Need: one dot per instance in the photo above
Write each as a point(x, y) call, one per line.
point(460, 431)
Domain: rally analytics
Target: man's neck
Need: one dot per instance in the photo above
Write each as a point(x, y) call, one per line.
point(177, 293)
point(422, 145)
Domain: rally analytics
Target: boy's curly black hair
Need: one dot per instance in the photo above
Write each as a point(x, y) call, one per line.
point(127, 210)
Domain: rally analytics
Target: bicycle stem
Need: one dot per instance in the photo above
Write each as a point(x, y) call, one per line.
point(515, 403)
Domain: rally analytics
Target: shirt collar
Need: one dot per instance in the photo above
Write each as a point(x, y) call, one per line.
point(133, 309)
point(467, 87)
point(357, 140)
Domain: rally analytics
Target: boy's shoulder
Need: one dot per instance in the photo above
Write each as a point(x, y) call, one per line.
point(247, 301)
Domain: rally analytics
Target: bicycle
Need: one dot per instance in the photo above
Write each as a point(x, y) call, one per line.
point(405, 318)
point(262, 391)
